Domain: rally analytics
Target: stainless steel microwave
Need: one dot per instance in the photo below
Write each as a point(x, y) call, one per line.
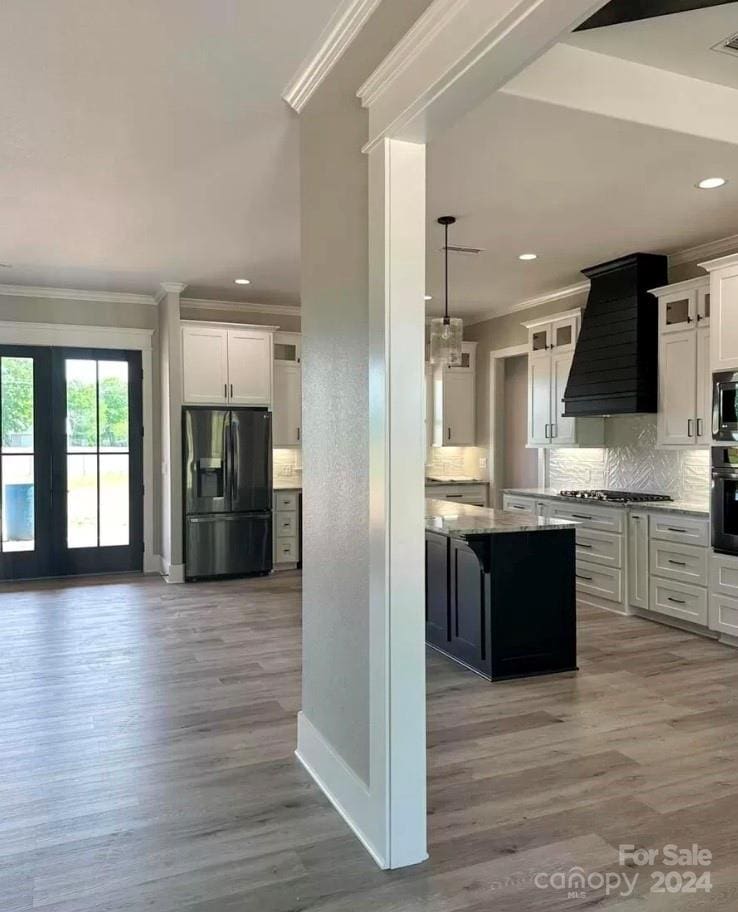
point(725, 406)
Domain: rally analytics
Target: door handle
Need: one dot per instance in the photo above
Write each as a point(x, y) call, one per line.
point(231, 391)
point(225, 390)
point(298, 435)
point(448, 434)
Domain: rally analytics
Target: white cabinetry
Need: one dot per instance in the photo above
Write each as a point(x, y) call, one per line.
point(551, 343)
point(474, 494)
point(454, 401)
point(286, 537)
point(724, 317)
point(678, 567)
point(684, 364)
point(226, 364)
point(638, 560)
point(287, 407)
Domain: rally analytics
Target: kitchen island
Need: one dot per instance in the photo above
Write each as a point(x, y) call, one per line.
point(500, 592)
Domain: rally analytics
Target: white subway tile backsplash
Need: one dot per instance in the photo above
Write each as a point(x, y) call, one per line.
point(631, 461)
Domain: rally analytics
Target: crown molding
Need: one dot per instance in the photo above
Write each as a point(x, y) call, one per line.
point(708, 251)
point(343, 26)
point(283, 310)
point(75, 294)
point(408, 48)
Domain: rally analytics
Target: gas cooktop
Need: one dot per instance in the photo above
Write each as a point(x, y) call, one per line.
point(616, 496)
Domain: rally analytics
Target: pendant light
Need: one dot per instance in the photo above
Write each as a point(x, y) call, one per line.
point(446, 332)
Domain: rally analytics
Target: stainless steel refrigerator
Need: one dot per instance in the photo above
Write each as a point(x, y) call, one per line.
point(227, 478)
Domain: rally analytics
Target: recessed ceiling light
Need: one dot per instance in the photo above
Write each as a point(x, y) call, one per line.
point(242, 281)
point(712, 183)
point(528, 256)
point(429, 297)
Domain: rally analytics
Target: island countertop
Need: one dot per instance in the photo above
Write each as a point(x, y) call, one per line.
point(458, 520)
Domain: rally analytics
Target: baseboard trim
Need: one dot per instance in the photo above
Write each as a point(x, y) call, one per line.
point(172, 573)
point(347, 793)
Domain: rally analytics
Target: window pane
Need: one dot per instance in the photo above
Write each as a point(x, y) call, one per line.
point(82, 501)
point(81, 405)
point(16, 382)
point(114, 500)
point(113, 381)
point(17, 501)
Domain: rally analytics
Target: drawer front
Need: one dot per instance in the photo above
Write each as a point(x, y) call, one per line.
point(285, 500)
point(680, 529)
point(518, 504)
point(723, 614)
point(684, 563)
point(286, 551)
point(604, 582)
point(469, 494)
point(724, 575)
point(679, 600)
point(602, 519)
point(599, 547)
point(285, 525)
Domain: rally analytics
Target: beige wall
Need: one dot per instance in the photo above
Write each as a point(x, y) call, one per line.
point(335, 313)
point(286, 322)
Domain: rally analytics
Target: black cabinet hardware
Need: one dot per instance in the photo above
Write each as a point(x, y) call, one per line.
point(588, 578)
point(677, 563)
point(676, 601)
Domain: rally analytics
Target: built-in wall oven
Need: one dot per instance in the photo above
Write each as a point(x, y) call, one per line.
point(724, 505)
point(725, 406)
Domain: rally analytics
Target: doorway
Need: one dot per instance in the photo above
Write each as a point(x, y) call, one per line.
point(71, 472)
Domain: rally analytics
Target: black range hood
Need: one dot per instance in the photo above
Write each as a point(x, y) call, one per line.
point(615, 366)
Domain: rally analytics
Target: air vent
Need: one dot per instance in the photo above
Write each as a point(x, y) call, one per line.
point(727, 45)
point(452, 248)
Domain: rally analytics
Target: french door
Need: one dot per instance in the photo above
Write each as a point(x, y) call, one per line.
point(71, 467)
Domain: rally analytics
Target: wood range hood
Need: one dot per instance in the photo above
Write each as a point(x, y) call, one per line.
point(615, 366)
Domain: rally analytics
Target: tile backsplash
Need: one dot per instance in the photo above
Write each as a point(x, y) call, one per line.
point(287, 464)
point(452, 462)
point(630, 461)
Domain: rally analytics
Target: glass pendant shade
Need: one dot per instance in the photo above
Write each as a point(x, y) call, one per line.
point(445, 341)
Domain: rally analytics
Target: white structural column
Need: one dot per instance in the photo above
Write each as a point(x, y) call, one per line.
point(170, 366)
point(396, 492)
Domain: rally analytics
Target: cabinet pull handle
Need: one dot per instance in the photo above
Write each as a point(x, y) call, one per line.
point(584, 545)
point(517, 507)
point(674, 529)
point(588, 578)
point(689, 427)
point(689, 319)
point(545, 431)
point(699, 427)
point(298, 433)
point(636, 518)
point(231, 391)
point(449, 496)
point(699, 317)
point(676, 601)
point(580, 516)
point(225, 390)
point(677, 563)
point(448, 434)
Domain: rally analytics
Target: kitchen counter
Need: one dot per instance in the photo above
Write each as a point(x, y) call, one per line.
point(429, 482)
point(678, 507)
point(286, 485)
point(459, 520)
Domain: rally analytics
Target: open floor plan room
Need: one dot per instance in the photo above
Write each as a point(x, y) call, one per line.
point(148, 762)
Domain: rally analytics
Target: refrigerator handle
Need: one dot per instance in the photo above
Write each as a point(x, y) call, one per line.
point(234, 456)
point(227, 459)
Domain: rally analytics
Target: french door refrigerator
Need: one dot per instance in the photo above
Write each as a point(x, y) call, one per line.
point(227, 478)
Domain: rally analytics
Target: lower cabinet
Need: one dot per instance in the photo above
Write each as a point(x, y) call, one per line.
point(287, 522)
point(638, 560)
point(723, 613)
point(503, 604)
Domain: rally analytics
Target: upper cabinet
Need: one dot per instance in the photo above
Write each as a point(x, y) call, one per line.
point(454, 401)
point(287, 407)
point(723, 297)
point(551, 343)
point(226, 364)
point(684, 364)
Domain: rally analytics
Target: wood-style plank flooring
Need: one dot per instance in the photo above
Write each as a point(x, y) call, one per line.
point(146, 763)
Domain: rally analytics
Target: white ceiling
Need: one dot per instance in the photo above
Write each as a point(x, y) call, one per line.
point(146, 141)
point(578, 188)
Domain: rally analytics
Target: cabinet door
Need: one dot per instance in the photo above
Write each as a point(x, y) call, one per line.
point(468, 606)
point(539, 400)
point(724, 318)
point(564, 334)
point(458, 409)
point(539, 340)
point(704, 300)
point(204, 365)
point(638, 560)
point(562, 430)
point(678, 388)
point(703, 429)
point(436, 589)
point(287, 406)
point(249, 367)
point(677, 311)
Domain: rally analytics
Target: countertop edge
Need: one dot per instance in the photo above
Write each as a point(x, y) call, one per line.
point(678, 508)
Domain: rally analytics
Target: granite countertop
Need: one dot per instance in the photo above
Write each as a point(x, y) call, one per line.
point(459, 520)
point(680, 507)
point(282, 485)
point(461, 480)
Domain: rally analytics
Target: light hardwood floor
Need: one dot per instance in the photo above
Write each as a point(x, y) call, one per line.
point(146, 739)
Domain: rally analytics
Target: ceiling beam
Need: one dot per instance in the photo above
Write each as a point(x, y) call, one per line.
point(577, 78)
point(617, 11)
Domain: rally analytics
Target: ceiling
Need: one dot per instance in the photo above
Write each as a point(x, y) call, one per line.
point(579, 188)
point(146, 141)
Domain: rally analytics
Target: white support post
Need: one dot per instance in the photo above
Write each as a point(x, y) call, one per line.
point(397, 455)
